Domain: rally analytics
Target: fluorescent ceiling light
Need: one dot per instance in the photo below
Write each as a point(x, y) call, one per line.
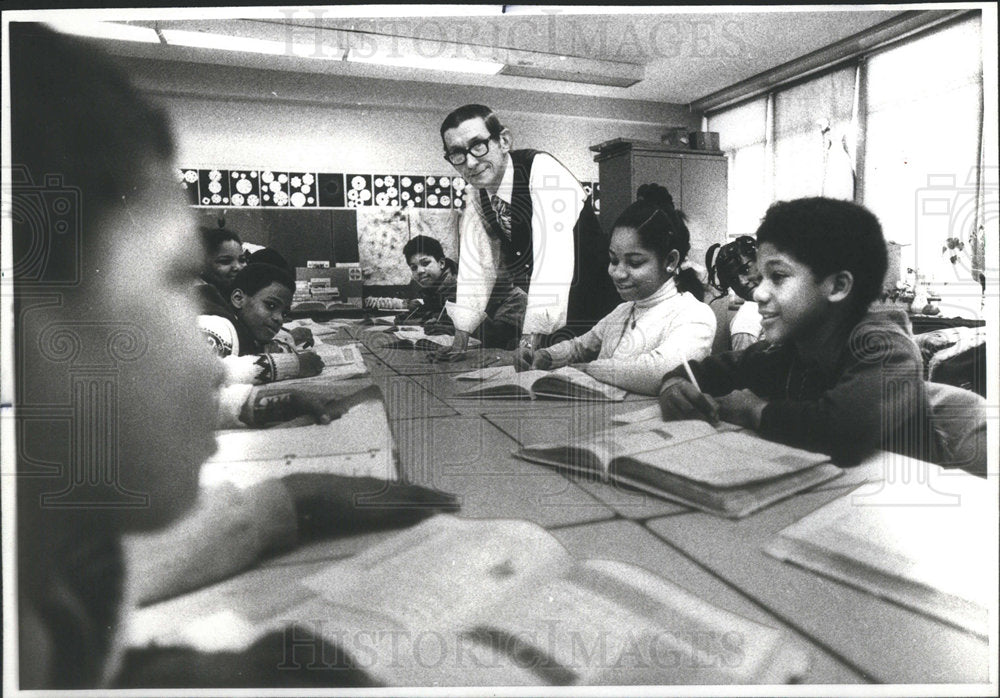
point(440, 63)
point(105, 30)
point(579, 76)
point(227, 42)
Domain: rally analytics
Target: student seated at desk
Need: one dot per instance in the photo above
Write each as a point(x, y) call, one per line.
point(222, 260)
point(244, 337)
point(663, 320)
point(148, 425)
point(299, 337)
point(734, 266)
point(832, 376)
point(435, 274)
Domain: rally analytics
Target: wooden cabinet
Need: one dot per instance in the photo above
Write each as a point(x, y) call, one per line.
point(697, 181)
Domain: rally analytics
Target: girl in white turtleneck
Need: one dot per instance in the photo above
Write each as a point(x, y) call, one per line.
point(662, 321)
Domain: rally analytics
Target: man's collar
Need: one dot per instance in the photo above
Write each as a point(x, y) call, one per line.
point(506, 189)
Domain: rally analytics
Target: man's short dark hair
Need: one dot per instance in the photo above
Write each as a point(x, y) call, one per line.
point(829, 235)
point(422, 244)
point(253, 277)
point(473, 111)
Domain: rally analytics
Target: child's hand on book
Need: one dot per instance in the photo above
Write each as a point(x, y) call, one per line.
point(310, 364)
point(679, 399)
point(302, 336)
point(326, 504)
point(273, 405)
point(741, 407)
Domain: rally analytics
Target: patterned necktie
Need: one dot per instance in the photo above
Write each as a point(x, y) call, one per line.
point(502, 209)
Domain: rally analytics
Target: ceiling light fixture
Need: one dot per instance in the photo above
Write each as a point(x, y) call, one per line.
point(105, 30)
point(439, 63)
point(244, 44)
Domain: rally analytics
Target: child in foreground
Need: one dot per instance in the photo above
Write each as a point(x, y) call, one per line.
point(833, 376)
point(245, 336)
point(436, 275)
point(73, 113)
point(663, 320)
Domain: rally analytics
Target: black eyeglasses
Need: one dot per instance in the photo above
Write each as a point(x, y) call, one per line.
point(476, 149)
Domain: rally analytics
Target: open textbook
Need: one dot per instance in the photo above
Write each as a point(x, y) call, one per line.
point(415, 338)
point(722, 469)
point(566, 383)
point(455, 602)
point(358, 444)
point(903, 541)
point(340, 361)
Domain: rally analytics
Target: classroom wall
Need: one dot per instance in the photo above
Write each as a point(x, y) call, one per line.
point(241, 117)
point(237, 118)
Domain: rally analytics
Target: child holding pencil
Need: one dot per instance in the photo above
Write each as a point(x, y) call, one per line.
point(832, 376)
point(662, 321)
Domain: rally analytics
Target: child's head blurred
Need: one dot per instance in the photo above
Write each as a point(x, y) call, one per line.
point(734, 266)
point(81, 133)
point(223, 256)
point(261, 295)
point(649, 242)
point(426, 259)
point(822, 262)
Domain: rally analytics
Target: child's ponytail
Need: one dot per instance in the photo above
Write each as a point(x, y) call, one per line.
point(663, 229)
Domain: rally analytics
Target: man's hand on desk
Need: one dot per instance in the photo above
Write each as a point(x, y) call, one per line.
point(528, 356)
point(335, 504)
point(455, 352)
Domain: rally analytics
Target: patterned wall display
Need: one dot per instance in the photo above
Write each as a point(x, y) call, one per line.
point(331, 190)
point(439, 191)
point(458, 192)
point(412, 191)
point(386, 188)
point(189, 183)
point(302, 190)
point(213, 187)
point(244, 188)
point(274, 188)
point(277, 188)
point(593, 192)
point(359, 190)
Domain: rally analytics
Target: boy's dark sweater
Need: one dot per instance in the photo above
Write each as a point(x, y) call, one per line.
point(505, 309)
point(871, 397)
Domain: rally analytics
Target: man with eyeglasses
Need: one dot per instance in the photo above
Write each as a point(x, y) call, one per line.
point(529, 222)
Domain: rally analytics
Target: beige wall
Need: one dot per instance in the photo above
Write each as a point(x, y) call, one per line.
point(240, 118)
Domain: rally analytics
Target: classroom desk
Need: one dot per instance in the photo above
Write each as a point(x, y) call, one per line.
point(465, 446)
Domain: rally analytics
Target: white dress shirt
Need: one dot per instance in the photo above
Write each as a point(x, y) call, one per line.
point(556, 201)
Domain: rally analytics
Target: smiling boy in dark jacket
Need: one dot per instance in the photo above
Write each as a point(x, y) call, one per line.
point(832, 376)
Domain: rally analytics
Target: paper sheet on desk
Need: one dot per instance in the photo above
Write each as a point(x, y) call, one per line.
point(358, 444)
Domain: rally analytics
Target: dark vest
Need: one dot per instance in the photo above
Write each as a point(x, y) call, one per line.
point(592, 295)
